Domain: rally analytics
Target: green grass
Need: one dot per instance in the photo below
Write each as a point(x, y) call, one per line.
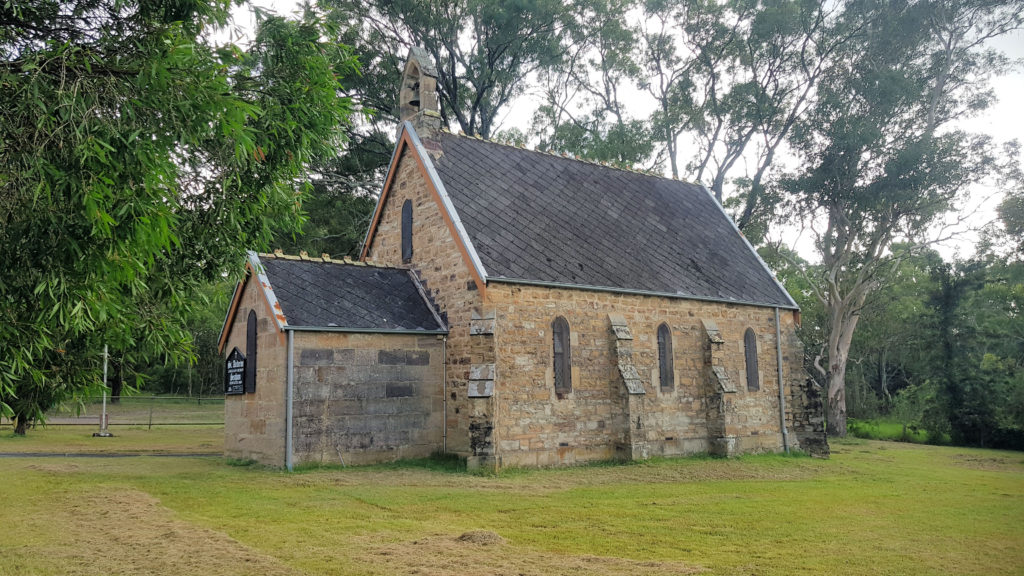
point(892, 431)
point(873, 508)
point(57, 439)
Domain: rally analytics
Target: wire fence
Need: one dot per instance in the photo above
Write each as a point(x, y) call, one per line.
point(145, 411)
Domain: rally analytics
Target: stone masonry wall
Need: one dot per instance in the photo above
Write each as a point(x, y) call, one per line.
point(439, 264)
point(535, 427)
point(366, 398)
point(524, 422)
point(254, 424)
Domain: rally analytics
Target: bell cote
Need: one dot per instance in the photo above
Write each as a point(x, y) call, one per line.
point(417, 97)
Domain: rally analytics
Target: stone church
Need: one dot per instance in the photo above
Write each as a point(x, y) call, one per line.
point(517, 308)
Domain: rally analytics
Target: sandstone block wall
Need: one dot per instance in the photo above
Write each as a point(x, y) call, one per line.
point(440, 265)
point(523, 422)
point(536, 427)
point(365, 398)
point(254, 424)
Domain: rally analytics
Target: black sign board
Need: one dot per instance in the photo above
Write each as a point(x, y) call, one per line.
point(234, 374)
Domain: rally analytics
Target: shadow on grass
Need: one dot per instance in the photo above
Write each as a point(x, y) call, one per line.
point(455, 464)
point(436, 462)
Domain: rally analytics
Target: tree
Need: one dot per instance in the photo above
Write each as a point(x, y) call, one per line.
point(736, 76)
point(1011, 213)
point(483, 49)
point(882, 163)
point(894, 347)
point(160, 373)
point(585, 111)
point(139, 160)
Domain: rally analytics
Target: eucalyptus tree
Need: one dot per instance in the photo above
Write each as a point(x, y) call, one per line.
point(735, 76)
point(587, 107)
point(882, 159)
point(139, 159)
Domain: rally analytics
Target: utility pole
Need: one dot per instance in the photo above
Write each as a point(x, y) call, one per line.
point(104, 433)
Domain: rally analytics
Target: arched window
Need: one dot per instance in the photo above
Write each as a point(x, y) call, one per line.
point(666, 369)
point(407, 231)
point(250, 353)
point(562, 356)
point(750, 353)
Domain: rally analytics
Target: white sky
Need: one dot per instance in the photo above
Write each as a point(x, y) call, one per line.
point(1004, 121)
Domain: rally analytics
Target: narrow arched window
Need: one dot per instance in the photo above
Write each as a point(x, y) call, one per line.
point(666, 369)
point(562, 356)
point(407, 231)
point(750, 353)
point(250, 353)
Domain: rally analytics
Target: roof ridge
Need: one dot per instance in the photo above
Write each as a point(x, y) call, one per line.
point(304, 256)
point(279, 254)
point(569, 156)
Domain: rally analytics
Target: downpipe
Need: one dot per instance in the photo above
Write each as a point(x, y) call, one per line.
point(288, 402)
point(782, 396)
point(444, 395)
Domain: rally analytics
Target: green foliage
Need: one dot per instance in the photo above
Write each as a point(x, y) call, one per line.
point(204, 375)
point(483, 49)
point(983, 335)
point(139, 160)
point(941, 349)
point(1011, 213)
point(891, 431)
point(881, 163)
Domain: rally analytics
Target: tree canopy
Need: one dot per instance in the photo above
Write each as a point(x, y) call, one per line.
point(139, 159)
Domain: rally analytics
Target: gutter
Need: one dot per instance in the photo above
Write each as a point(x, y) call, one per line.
point(676, 295)
point(362, 330)
point(782, 396)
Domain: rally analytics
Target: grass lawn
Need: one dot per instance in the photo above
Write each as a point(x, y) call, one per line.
point(874, 508)
point(58, 439)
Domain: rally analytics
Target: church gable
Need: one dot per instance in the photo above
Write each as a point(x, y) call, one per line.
point(415, 221)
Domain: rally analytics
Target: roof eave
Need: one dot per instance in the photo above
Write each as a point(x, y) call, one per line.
point(229, 316)
point(365, 330)
point(793, 305)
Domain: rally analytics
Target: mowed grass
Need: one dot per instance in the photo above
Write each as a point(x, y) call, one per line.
point(57, 439)
point(873, 508)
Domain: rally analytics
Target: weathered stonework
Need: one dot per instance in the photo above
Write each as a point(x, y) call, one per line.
point(357, 398)
point(502, 407)
point(441, 266)
point(364, 398)
point(594, 418)
point(254, 424)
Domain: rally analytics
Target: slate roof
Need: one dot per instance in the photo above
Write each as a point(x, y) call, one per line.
point(348, 296)
point(538, 217)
